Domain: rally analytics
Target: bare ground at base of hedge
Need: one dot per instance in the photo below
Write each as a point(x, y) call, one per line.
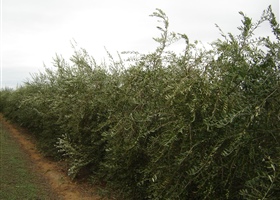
point(54, 173)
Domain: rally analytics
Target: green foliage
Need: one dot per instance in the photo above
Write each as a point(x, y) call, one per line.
point(201, 124)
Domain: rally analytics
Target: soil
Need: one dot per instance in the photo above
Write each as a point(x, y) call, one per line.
point(52, 172)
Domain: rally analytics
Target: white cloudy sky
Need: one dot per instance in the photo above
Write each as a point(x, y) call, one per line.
point(33, 31)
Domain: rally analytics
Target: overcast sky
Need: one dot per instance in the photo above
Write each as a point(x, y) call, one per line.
point(33, 31)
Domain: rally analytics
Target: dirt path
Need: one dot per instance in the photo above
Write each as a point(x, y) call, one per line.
point(51, 171)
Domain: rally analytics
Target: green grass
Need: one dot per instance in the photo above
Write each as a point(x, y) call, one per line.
point(17, 181)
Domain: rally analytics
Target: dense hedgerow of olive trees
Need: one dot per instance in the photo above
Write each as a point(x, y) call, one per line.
point(203, 124)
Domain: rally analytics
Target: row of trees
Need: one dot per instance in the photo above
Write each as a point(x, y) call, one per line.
point(201, 124)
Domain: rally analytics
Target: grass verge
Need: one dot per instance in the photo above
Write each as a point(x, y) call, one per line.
point(17, 180)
